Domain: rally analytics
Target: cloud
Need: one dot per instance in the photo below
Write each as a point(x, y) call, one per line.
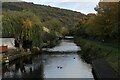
point(109, 0)
point(84, 6)
point(10, 0)
point(62, 0)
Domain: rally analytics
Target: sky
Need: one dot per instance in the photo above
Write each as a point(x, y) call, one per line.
point(83, 6)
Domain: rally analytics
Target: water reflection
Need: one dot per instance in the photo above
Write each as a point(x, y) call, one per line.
point(50, 64)
point(66, 66)
point(26, 67)
point(64, 46)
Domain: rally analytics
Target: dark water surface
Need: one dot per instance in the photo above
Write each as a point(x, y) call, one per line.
point(65, 63)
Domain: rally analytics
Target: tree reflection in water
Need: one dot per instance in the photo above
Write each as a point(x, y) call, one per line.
point(23, 68)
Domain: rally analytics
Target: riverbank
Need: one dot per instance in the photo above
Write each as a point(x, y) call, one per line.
point(91, 50)
point(13, 54)
point(50, 64)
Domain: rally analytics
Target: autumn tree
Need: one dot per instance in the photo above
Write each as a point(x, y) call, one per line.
point(103, 24)
point(26, 26)
point(109, 12)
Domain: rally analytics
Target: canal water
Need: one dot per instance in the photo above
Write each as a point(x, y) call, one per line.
point(61, 61)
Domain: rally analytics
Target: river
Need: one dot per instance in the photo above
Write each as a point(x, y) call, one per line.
point(61, 61)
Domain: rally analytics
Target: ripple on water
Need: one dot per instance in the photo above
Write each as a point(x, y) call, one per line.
point(57, 65)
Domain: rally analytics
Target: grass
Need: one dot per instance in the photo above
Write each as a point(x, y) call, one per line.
point(94, 49)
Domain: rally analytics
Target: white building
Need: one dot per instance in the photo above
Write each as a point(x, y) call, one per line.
point(7, 42)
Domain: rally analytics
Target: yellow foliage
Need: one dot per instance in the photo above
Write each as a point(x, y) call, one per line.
point(27, 23)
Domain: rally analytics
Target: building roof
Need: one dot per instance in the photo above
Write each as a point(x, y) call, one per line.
point(6, 36)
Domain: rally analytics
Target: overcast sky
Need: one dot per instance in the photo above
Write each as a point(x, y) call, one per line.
point(84, 6)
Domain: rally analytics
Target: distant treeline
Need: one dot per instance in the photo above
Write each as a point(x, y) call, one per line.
point(41, 24)
point(98, 34)
point(104, 25)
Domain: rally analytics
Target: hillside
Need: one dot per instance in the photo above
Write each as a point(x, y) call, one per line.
point(47, 14)
point(27, 19)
